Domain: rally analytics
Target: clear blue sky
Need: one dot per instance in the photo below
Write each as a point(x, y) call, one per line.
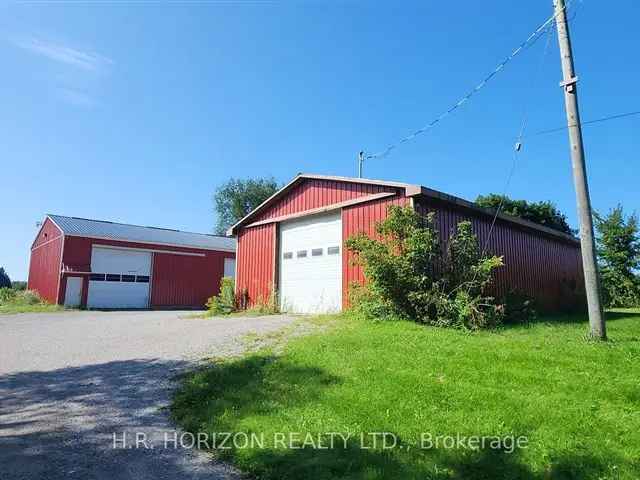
point(136, 112)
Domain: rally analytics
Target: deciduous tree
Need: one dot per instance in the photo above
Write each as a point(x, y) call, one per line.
point(618, 243)
point(544, 213)
point(237, 197)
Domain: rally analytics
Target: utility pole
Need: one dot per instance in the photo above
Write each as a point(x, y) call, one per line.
point(587, 244)
point(360, 162)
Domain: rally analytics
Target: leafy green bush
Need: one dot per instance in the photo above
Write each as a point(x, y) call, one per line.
point(29, 297)
point(7, 295)
point(19, 285)
point(519, 308)
point(225, 302)
point(408, 277)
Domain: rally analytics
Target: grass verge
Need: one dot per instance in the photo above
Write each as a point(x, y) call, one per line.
point(23, 301)
point(576, 401)
point(22, 308)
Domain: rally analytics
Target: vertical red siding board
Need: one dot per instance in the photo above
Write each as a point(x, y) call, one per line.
point(45, 262)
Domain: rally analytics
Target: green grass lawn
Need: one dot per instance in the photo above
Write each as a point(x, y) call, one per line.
point(576, 401)
point(27, 308)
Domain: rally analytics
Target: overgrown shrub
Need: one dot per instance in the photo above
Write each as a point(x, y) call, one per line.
point(409, 277)
point(519, 308)
point(9, 296)
point(265, 306)
point(29, 297)
point(225, 302)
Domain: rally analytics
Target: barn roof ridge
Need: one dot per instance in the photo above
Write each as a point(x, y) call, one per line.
point(411, 190)
point(80, 226)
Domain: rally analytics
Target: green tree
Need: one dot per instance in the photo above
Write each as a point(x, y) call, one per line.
point(237, 197)
point(18, 285)
point(618, 244)
point(544, 213)
point(5, 281)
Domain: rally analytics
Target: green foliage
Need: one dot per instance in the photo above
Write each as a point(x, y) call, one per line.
point(19, 285)
point(265, 306)
point(353, 376)
point(225, 302)
point(22, 301)
point(7, 295)
point(543, 213)
point(236, 198)
point(408, 277)
point(618, 244)
point(5, 281)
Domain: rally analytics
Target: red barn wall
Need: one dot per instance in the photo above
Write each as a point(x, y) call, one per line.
point(256, 263)
point(177, 280)
point(186, 280)
point(536, 264)
point(355, 219)
point(44, 265)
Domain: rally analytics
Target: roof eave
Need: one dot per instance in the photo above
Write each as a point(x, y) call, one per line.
point(430, 193)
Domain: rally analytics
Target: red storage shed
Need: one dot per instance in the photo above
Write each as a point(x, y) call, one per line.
point(99, 264)
point(293, 244)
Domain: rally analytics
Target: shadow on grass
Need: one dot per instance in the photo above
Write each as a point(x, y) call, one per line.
point(264, 395)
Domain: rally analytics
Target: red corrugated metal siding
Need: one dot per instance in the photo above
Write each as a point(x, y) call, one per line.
point(356, 219)
point(180, 280)
point(44, 265)
point(538, 265)
point(312, 193)
point(177, 280)
point(255, 267)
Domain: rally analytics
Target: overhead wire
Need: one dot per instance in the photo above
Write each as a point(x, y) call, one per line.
point(588, 122)
point(517, 147)
point(529, 41)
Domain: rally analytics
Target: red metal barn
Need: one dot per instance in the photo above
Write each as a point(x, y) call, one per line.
point(293, 243)
point(97, 264)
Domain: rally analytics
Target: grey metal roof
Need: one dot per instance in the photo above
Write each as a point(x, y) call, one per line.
point(84, 227)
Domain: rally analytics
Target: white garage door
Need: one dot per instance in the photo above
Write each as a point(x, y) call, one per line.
point(119, 278)
point(310, 265)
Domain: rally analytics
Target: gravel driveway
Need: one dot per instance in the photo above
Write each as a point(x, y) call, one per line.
point(70, 381)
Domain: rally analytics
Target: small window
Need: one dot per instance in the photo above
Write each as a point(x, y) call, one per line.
point(128, 278)
point(97, 277)
point(112, 277)
point(287, 255)
point(333, 250)
point(142, 279)
point(301, 253)
point(316, 252)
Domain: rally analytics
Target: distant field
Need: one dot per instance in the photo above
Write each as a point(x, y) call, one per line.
point(577, 402)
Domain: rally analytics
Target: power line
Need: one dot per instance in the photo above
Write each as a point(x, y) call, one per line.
point(530, 40)
point(518, 143)
point(590, 122)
